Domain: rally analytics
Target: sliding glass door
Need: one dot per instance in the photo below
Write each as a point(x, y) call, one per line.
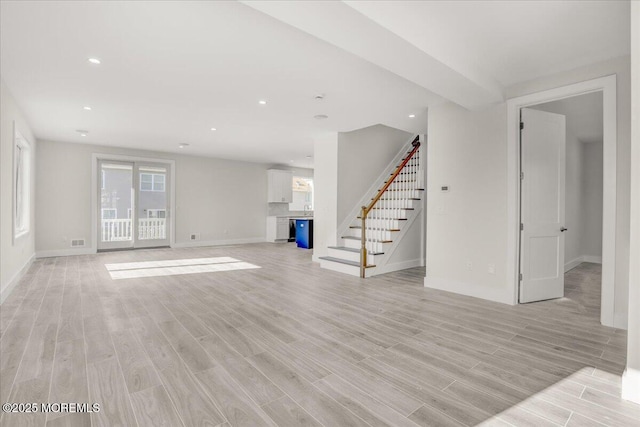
point(133, 205)
point(152, 206)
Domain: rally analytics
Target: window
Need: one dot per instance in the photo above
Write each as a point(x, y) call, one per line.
point(156, 213)
point(302, 194)
point(103, 180)
point(151, 182)
point(109, 213)
point(21, 186)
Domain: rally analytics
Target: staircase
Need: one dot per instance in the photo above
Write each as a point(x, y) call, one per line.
point(381, 223)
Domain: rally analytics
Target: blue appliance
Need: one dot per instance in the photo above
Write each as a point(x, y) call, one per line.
point(304, 233)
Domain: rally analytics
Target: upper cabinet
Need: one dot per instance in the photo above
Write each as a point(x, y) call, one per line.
point(280, 188)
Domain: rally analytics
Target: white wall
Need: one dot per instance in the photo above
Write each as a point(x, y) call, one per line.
point(467, 150)
point(362, 155)
point(325, 180)
point(631, 377)
point(592, 167)
point(224, 201)
point(15, 257)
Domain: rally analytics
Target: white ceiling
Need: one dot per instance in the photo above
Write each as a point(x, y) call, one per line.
point(172, 70)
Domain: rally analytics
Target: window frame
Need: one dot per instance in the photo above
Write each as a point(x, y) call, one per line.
point(102, 210)
point(154, 182)
point(156, 211)
point(21, 175)
point(309, 195)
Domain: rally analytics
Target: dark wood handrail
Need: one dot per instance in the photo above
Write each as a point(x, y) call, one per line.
point(365, 209)
point(416, 145)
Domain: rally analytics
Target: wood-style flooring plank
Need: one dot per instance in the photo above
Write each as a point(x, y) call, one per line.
point(107, 387)
point(153, 408)
point(69, 381)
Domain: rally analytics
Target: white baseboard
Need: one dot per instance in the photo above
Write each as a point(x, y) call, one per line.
point(631, 385)
point(596, 259)
point(579, 260)
point(402, 265)
point(202, 243)
point(572, 264)
point(503, 295)
point(11, 284)
point(65, 252)
point(620, 320)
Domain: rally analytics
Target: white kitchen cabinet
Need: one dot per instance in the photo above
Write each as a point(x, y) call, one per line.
point(280, 186)
point(277, 228)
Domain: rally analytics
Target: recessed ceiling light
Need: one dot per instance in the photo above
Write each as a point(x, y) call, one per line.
point(321, 116)
point(94, 61)
point(183, 145)
point(309, 157)
point(86, 108)
point(214, 129)
point(319, 97)
point(411, 116)
point(262, 102)
point(82, 132)
point(291, 161)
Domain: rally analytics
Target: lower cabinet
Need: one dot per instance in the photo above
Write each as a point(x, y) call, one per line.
point(277, 228)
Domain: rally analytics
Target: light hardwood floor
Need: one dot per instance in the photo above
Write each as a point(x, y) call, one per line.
point(290, 344)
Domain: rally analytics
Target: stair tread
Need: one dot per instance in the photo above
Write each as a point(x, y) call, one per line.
point(404, 209)
point(368, 240)
point(373, 228)
point(344, 261)
point(399, 189)
point(402, 198)
point(392, 219)
point(357, 251)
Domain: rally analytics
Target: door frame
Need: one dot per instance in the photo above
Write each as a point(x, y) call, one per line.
point(606, 85)
point(95, 157)
point(117, 245)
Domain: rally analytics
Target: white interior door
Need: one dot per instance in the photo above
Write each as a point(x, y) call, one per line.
point(542, 209)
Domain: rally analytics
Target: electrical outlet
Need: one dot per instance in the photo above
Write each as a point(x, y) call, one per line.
point(491, 268)
point(194, 236)
point(469, 265)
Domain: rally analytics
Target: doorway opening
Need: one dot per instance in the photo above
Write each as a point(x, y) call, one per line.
point(132, 203)
point(561, 187)
point(607, 87)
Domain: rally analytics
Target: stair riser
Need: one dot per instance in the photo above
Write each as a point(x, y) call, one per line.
point(411, 194)
point(350, 256)
point(355, 244)
point(397, 204)
point(388, 213)
point(344, 268)
point(374, 234)
point(381, 223)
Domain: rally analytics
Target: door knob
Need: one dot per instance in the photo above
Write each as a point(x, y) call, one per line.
point(562, 229)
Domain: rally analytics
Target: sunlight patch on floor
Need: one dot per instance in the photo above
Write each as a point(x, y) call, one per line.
point(554, 401)
point(168, 263)
point(173, 267)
